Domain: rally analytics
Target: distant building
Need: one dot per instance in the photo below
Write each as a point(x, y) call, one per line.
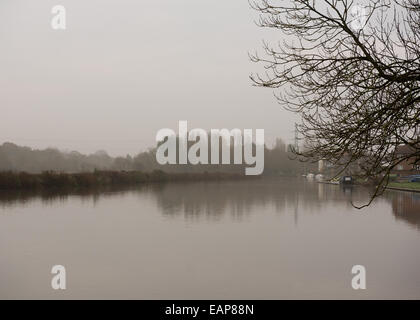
point(325, 166)
point(321, 166)
point(407, 166)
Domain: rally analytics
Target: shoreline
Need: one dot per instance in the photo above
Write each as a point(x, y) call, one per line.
point(329, 182)
point(393, 188)
point(403, 189)
point(22, 181)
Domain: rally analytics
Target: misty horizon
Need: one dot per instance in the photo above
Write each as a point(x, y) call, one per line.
point(102, 83)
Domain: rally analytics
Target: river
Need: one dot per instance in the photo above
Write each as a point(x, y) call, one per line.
point(257, 239)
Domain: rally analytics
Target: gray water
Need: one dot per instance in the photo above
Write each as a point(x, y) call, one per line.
point(259, 239)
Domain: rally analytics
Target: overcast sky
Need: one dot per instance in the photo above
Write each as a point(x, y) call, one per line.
point(124, 69)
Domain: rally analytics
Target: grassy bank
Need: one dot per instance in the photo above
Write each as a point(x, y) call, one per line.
point(405, 185)
point(48, 180)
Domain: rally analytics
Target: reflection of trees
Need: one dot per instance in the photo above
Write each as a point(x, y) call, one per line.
point(214, 199)
point(207, 198)
point(405, 206)
point(52, 196)
point(238, 198)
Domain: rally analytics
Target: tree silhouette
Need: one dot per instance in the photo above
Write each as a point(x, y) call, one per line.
point(353, 74)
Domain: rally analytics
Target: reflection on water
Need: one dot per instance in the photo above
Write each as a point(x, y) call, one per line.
point(239, 199)
point(406, 206)
point(208, 198)
point(263, 238)
point(236, 198)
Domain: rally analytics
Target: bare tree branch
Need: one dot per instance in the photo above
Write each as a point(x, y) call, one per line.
point(356, 89)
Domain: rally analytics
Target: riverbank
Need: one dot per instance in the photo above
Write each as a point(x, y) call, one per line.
point(329, 182)
point(397, 186)
point(404, 186)
point(51, 180)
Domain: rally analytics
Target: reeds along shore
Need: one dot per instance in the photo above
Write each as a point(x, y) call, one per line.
point(21, 180)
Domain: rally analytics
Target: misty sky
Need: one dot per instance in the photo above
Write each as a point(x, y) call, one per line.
point(124, 69)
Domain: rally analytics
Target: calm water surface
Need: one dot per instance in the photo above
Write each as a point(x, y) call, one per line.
point(260, 239)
